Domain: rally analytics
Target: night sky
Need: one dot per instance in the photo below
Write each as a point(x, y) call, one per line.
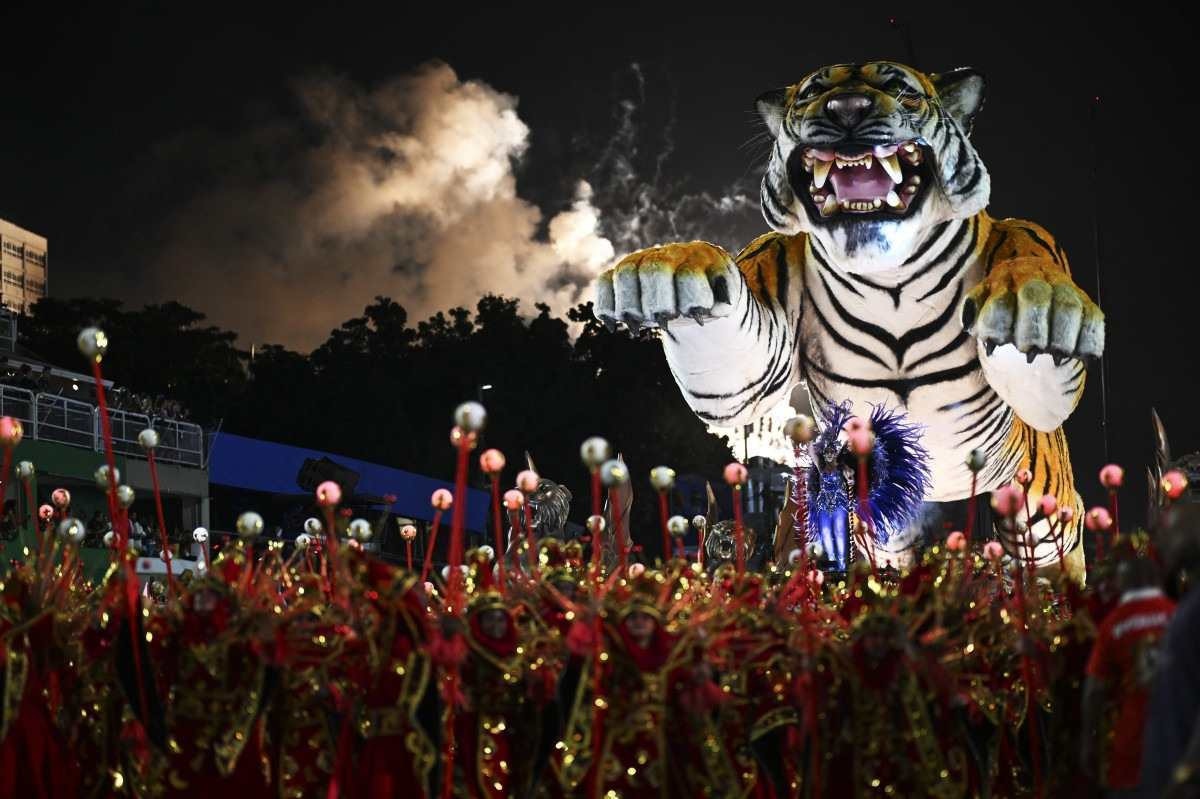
point(121, 127)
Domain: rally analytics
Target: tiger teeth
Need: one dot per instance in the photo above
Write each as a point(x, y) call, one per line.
point(893, 199)
point(829, 206)
point(820, 173)
point(891, 165)
point(864, 161)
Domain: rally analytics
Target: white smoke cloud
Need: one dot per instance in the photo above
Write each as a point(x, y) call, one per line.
point(406, 190)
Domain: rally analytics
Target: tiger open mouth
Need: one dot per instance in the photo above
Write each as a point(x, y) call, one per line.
point(886, 178)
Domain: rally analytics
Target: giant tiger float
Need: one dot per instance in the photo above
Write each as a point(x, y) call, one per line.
point(885, 282)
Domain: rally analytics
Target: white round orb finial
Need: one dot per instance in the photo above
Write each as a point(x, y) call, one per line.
point(470, 416)
point(249, 524)
point(360, 530)
point(148, 439)
point(92, 343)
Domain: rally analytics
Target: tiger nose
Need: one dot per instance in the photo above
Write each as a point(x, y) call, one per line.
point(848, 109)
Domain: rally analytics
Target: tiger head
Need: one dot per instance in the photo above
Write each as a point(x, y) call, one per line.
point(867, 158)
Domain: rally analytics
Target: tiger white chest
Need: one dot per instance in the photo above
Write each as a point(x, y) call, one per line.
point(895, 339)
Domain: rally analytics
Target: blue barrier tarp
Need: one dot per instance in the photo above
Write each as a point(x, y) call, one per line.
point(256, 465)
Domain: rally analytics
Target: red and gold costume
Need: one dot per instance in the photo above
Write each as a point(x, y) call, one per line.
point(497, 728)
point(648, 674)
point(396, 719)
point(34, 751)
point(212, 656)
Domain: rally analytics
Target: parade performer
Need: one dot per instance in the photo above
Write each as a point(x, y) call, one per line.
point(121, 747)
point(650, 671)
point(34, 755)
point(896, 476)
point(1120, 673)
point(749, 650)
point(397, 712)
point(562, 573)
point(312, 654)
point(556, 604)
point(884, 281)
point(496, 731)
point(319, 674)
point(210, 656)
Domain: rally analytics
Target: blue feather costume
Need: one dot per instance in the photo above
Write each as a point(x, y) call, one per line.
point(897, 480)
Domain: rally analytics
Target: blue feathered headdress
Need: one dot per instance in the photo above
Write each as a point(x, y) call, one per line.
point(897, 470)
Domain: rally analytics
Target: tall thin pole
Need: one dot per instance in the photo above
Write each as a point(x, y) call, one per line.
point(1093, 117)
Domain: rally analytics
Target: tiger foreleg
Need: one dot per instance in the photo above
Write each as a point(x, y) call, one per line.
point(731, 352)
point(1035, 330)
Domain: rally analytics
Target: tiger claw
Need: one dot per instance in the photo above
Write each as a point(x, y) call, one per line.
point(1030, 356)
point(698, 317)
point(609, 324)
point(633, 323)
point(990, 346)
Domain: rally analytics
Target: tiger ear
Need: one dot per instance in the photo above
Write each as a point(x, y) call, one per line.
point(772, 107)
point(962, 93)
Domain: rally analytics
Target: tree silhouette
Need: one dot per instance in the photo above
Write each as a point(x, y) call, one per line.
point(161, 350)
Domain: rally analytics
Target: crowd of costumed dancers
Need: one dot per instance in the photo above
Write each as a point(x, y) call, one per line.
point(551, 668)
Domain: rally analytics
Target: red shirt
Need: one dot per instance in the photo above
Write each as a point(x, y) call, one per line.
point(1124, 657)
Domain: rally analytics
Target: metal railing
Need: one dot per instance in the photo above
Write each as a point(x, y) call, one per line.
point(65, 420)
point(179, 442)
point(17, 403)
point(125, 426)
point(52, 417)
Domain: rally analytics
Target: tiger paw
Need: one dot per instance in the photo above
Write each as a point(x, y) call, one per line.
point(1036, 307)
point(650, 288)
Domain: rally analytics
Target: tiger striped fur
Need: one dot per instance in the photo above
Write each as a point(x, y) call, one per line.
point(919, 300)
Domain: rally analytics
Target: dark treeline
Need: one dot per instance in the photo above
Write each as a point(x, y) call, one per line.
point(383, 389)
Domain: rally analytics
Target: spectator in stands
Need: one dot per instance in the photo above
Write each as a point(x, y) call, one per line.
point(160, 407)
point(25, 378)
point(136, 530)
point(152, 545)
point(96, 527)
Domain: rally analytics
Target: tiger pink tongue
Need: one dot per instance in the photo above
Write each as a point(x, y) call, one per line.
point(856, 183)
